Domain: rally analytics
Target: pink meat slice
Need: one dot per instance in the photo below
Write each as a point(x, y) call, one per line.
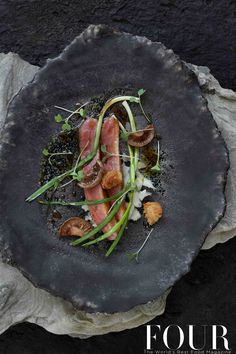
point(86, 140)
point(110, 138)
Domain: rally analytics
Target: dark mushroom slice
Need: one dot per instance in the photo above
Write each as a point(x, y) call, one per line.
point(94, 177)
point(142, 137)
point(75, 226)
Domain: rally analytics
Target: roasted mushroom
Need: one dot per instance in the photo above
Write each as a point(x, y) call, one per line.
point(111, 179)
point(75, 226)
point(152, 212)
point(141, 137)
point(94, 177)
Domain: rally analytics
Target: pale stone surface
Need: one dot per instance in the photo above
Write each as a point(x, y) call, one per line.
point(222, 104)
point(14, 73)
point(21, 301)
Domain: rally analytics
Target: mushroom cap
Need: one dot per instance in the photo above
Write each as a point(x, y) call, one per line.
point(152, 212)
point(75, 226)
point(111, 179)
point(93, 177)
point(142, 137)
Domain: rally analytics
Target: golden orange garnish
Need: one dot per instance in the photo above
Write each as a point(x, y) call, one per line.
point(111, 179)
point(152, 212)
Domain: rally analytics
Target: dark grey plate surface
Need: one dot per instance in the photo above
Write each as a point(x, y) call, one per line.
point(193, 198)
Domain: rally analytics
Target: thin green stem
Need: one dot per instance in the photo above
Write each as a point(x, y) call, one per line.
point(57, 154)
point(120, 155)
point(88, 202)
point(117, 239)
point(100, 226)
point(133, 129)
point(133, 168)
point(145, 241)
point(114, 228)
point(123, 128)
point(64, 109)
point(116, 201)
point(65, 184)
point(142, 109)
point(48, 185)
point(157, 167)
point(135, 255)
point(76, 111)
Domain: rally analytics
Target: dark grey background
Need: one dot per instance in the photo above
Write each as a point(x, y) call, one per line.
point(202, 32)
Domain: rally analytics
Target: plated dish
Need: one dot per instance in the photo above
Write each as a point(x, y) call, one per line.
point(102, 64)
point(109, 175)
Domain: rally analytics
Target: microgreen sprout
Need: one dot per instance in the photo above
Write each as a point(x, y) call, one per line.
point(58, 118)
point(66, 126)
point(135, 255)
point(83, 112)
point(76, 175)
point(157, 167)
point(140, 93)
point(45, 152)
point(48, 154)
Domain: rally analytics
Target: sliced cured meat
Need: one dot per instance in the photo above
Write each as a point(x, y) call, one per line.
point(86, 140)
point(110, 138)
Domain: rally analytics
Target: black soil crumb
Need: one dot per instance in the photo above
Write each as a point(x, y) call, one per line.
point(64, 142)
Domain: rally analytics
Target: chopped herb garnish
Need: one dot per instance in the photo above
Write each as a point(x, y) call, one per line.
point(77, 176)
point(66, 127)
point(45, 152)
point(83, 112)
point(58, 118)
point(141, 92)
point(51, 154)
point(64, 121)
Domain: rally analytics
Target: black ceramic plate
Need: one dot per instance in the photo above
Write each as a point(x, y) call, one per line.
point(193, 198)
